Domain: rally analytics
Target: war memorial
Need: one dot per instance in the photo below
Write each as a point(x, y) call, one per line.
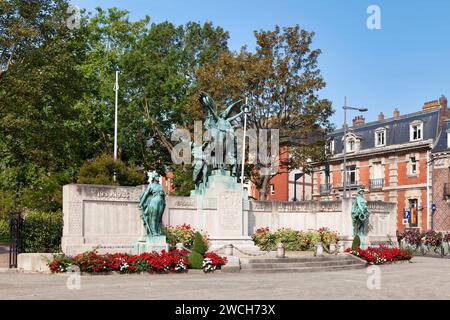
point(218, 158)
point(128, 219)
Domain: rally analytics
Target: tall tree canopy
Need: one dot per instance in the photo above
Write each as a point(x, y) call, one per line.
point(57, 92)
point(282, 80)
point(39, 85)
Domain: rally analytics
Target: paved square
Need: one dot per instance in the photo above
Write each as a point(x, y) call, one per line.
point(425, 278)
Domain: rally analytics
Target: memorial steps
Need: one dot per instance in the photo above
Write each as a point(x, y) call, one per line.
point(301, 264)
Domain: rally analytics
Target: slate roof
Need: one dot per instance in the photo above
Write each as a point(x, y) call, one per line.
point(442, 143)
point(397, 130)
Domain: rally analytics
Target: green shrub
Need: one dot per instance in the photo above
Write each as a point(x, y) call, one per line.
point(303, 241)
point(198, 251)
point(264, 239)
point(356, 243)
point(328, 237)
point(4, 231)
point(308, 240)
point(289, 238)
point(101, 171)
point(42, 231)
point(196, 260)
point(293, 240)
point(314, 238)
point(184, 234)
point(199, 244)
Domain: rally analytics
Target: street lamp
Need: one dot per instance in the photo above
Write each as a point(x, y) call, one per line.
point(296, 177)
point(116, 109)
point(345, 107)
point(246, 110)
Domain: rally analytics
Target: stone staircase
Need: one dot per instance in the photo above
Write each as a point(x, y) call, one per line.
point(301, 264)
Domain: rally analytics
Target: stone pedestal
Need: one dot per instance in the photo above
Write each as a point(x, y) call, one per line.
point(364, 241)
point(228, 222)
point(150, 244)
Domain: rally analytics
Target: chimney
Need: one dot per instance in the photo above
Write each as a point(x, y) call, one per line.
point(396, 113)
point(381, 116)
point(431, 105)
point(445, 113)
point(358, 121)
point(443, 102)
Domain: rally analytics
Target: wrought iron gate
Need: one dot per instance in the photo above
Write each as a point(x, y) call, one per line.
point(15, 237)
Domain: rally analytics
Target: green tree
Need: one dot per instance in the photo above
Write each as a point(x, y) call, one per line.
point(39, 85)
point(161, 73)
point(102, 170)
point(182, 179)
point(157, 64)
point(282, 80)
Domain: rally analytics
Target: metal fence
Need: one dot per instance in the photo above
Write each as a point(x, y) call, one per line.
point(33, 235)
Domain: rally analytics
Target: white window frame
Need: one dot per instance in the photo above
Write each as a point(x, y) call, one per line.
point(352, 168)
point(351, 141)
point(448, 139)
point(377, 132)
point(272, 189)
point(419, 126)
point(413, 164)
point(378, 165)
point(330, 147)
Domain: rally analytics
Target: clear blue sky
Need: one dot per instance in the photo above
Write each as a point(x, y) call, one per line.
point(402, 65)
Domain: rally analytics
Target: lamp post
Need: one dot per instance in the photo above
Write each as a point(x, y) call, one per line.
point(296, 177)
point(345, 107)
point(116, 109)
point(246, 111)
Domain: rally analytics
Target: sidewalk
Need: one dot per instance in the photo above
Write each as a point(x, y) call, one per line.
point(425, 278)
point(4, 255)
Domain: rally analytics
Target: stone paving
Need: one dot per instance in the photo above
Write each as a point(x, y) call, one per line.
point(425, 278)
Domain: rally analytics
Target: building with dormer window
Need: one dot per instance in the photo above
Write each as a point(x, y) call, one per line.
point(401, 159)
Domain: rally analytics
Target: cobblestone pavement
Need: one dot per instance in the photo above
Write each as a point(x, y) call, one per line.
point(425, 278)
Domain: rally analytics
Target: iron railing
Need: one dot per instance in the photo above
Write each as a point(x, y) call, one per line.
point(325, 188)
point(16, 243)
point(352, 183)
point(376, 184)
point(33, 235)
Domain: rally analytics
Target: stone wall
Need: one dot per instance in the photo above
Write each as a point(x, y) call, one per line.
point(107, 217)
point(335, 215)
point(104, 216)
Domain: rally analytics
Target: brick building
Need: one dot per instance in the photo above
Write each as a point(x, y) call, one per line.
point(278, 188)
point(440, 163)
point(392, 160)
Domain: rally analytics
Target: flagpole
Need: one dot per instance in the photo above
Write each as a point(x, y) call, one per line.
point(243, 144)
point(116, 89)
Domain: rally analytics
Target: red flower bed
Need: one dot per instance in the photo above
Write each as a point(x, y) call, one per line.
point(171, 261)
point(212, 262)
point(92, 262)
point(381, 255)
point(217, 261)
